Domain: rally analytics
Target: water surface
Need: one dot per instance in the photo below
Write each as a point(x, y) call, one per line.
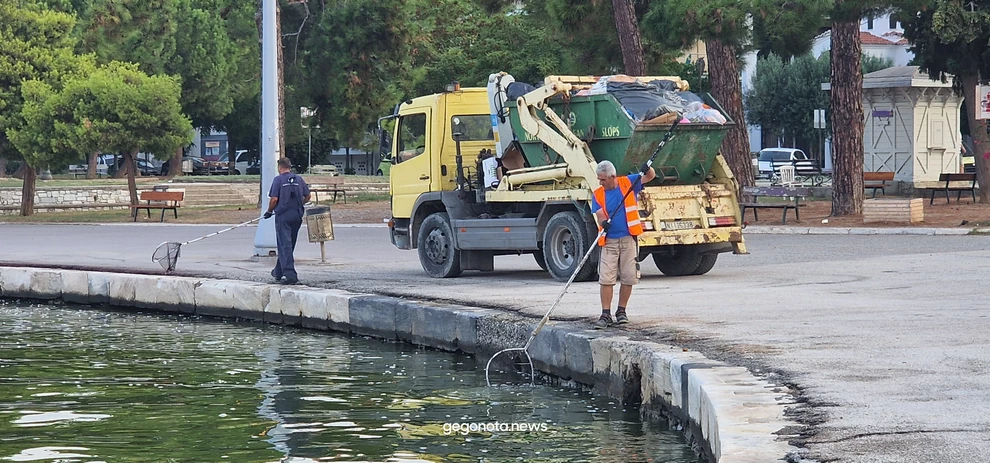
point(85, 385)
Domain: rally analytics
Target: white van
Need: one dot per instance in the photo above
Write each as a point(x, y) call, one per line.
point(771, 159)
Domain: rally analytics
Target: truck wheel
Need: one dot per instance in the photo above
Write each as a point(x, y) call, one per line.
point(707, 262)
point(541, 260)
point(437, 254)
point(565, 242)
point(680, 261)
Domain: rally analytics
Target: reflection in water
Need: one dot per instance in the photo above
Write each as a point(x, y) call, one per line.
point(93, 385)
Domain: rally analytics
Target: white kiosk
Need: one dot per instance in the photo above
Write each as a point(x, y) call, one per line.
point(911, 126)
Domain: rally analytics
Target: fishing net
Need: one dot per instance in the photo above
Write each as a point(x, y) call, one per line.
point(167, 255)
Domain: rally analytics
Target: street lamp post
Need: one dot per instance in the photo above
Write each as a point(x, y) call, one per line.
point(264, 237)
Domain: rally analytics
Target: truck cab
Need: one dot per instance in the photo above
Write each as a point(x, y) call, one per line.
point(423, 153)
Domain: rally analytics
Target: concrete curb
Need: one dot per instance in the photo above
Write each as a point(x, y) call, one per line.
point(785, 230)
point(735, 416)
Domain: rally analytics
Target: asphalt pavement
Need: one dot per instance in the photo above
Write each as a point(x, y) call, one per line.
point(884, 337)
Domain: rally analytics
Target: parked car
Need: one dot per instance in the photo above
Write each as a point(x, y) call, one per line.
point(144, 167)
point(254, 167)
point(771, 159)
point(103, 163)
point(324, 169)
point(242, 161)
point(198, 166)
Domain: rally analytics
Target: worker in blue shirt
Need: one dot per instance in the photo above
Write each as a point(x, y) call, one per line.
point(288, 194)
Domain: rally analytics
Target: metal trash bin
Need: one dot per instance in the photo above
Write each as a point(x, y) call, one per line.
point(319, 227)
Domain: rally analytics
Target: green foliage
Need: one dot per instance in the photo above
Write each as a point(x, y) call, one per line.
point(204, 52)
point(476, 45)
point(764, 100)
point(120, 109)
point(355, 60)
point(243, 122)
point(784, 27)
point(947, 38)
point(784, 95)
point(35, 44)
point(679, 23)
point(43, 137)
point(47, 133)
point(181, 38)
point(787, 29)
point(136, 31)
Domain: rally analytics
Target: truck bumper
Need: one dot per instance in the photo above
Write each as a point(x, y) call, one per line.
point(731, 235)
point(398, 232)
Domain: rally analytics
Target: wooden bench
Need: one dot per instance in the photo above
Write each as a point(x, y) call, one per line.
point(774, 192)
point(163, 200)
point(877, 181)
point(963, 182)
point(334, 186)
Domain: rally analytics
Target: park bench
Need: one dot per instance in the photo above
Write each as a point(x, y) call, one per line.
point(163, 200)
point(877, 181)
point(805, 170)
point(955, 182)
point(784, 198)
point(334, 186)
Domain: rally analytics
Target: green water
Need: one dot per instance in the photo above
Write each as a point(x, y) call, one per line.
point(84, 385)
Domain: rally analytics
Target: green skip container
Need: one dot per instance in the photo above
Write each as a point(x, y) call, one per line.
point(614, 136)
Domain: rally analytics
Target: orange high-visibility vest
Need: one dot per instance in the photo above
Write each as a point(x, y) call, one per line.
point(632, 208)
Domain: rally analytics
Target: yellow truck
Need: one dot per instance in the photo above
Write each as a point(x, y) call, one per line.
point(459, 213)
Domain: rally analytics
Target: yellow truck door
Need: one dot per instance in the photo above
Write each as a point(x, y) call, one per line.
point(410, 175)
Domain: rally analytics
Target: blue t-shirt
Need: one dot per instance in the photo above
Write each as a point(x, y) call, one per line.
point(613, 202)
point(291, 190)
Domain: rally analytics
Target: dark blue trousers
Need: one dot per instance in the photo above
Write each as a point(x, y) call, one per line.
point(286, 232)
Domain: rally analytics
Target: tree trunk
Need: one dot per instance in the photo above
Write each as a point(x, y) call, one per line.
point(175, 164)
point(91, 165)
point(629, 37)
point(3, 167)
point(981, 139)
point(120, 165)
point(847, 119)
point(27, 191)
point(131, 168)
point(727, 90)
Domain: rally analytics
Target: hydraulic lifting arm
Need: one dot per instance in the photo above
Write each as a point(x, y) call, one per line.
point(577, 157)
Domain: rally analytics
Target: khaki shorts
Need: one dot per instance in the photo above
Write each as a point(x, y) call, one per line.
point(618, 259)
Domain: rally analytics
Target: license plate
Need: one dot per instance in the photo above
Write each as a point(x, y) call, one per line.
point(681, 225)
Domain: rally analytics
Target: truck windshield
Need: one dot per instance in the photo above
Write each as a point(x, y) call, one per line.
point(473, 127)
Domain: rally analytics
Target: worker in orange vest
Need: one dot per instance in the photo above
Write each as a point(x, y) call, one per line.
point(620, 248)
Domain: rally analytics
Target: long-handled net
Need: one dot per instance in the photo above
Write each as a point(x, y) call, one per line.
point(167, 253)
point(525, 349)
point(520, 362)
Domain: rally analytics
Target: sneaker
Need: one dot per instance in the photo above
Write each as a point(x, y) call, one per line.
point(287, 281)
point(620, 318)
point(277, 278)
point(603, 322)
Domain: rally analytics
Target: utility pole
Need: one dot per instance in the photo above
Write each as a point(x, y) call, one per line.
point(264, 237)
